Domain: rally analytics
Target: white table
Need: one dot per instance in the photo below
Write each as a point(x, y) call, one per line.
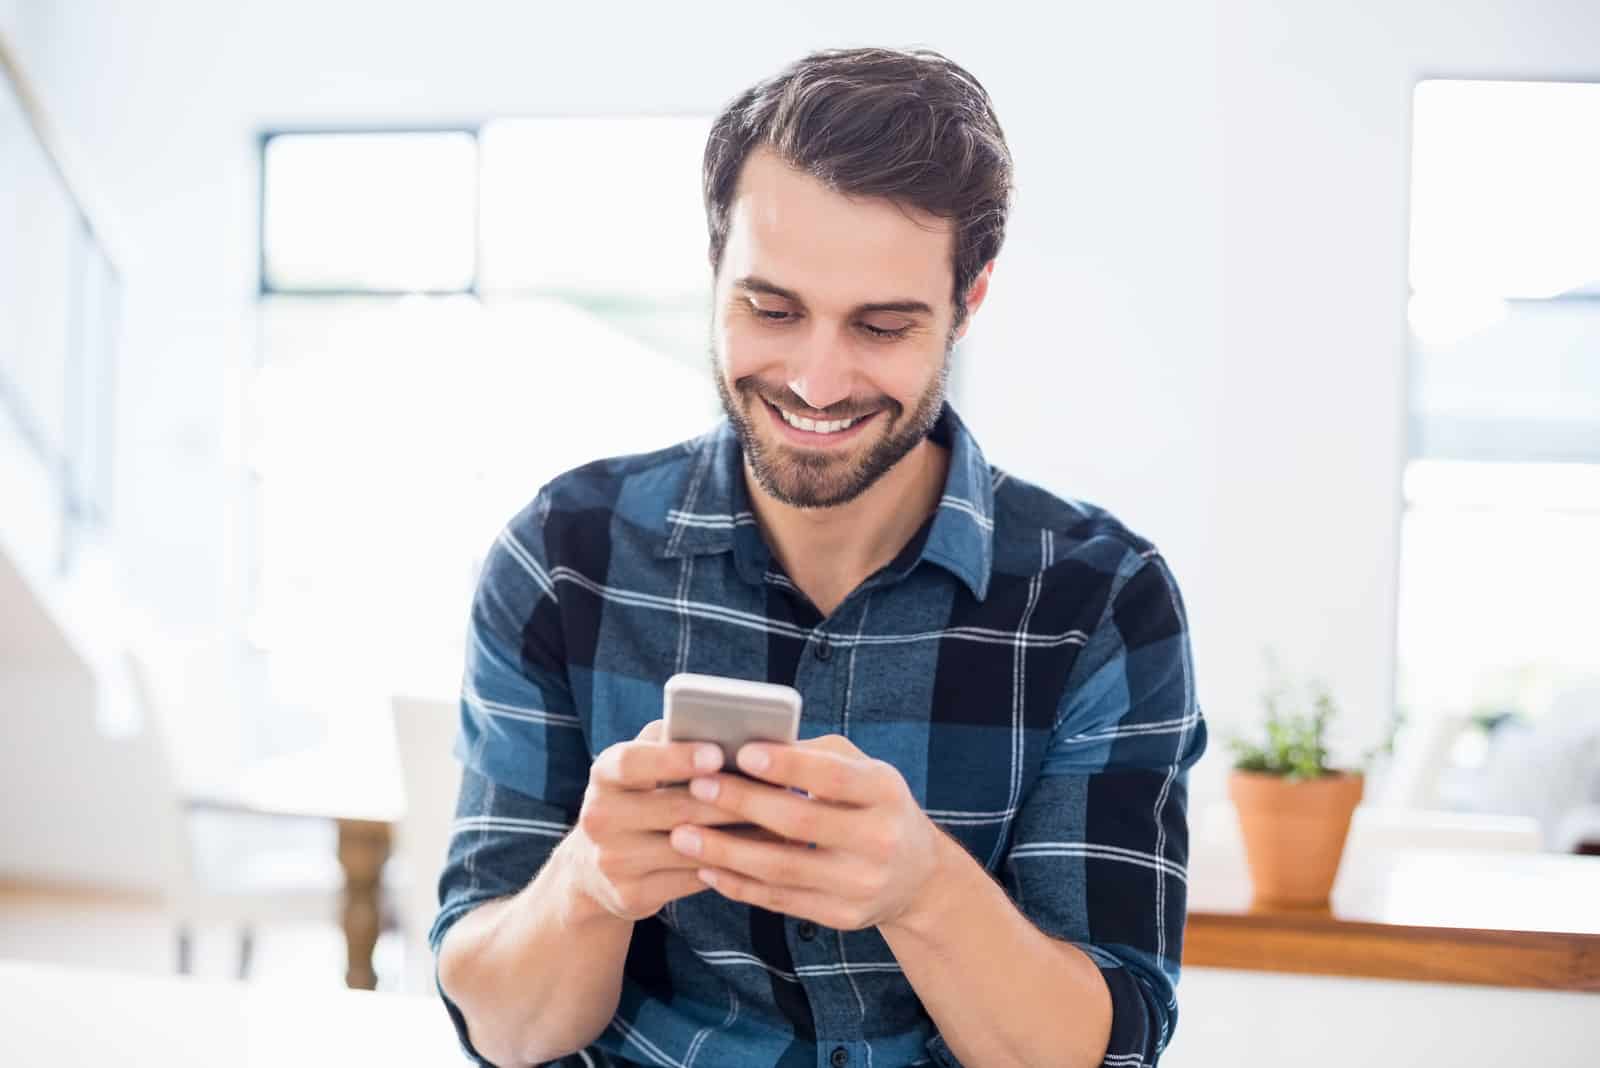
point(65, 1016)
point(355, 783)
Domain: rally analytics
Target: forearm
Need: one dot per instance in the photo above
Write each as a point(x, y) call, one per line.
point(1001, 991)
point(537, 975)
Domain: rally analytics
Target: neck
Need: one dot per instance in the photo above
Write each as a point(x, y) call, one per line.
point(828, 552)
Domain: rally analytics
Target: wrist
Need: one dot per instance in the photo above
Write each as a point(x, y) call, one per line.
point(939, 897)
point(577, 907)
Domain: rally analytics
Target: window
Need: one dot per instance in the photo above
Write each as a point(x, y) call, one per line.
point(60, 297)
point(448, 319)
point(369, 212)
point(1499, 572)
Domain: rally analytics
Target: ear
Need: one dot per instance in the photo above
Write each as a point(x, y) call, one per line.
point(975, 295)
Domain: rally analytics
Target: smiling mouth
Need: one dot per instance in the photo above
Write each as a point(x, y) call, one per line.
point(815, 431)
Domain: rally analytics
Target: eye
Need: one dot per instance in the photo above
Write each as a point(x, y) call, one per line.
point(883, 333)
point(771, 315)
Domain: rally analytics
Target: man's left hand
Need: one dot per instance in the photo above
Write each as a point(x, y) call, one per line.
point(860, 851)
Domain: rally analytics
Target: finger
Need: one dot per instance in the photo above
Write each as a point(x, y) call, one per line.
point(643, 765)
point(832, 743)
point(819, 907)
point(749, 833)
point(774, 863)
point(829, 776)
point(654, 731)
point(650, 894)
point(799, 819)
point(669, 886)
point(632, 857)
point(666, 807)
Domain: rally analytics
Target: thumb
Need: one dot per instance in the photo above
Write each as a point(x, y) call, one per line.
point(837, 744)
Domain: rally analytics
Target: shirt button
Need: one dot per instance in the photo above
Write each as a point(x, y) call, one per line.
point(808, 930)
point(824, 652)
point(840, 1058)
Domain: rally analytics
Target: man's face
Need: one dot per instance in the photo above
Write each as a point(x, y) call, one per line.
point(833, 310)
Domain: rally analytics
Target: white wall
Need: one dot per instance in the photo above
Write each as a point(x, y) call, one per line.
point(81, 808)
point(1198, 320)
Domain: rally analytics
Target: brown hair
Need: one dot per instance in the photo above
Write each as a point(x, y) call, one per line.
point(910, 126)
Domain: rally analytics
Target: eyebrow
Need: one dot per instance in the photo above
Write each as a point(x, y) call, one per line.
point(760, 285)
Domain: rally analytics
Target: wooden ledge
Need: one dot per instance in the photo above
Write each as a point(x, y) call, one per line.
point(1525, 920)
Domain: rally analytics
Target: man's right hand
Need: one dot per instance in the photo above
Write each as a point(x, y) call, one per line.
point(624, 860)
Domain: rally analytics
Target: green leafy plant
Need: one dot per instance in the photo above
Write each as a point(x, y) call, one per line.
point(1295, 746)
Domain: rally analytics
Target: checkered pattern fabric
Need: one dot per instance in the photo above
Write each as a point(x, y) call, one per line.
point(1024, 662)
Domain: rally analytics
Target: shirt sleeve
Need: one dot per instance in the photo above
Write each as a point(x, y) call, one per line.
point(1100, 849)
point(525, 764)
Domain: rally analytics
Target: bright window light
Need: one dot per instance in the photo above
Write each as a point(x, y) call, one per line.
point(386, 471)
point(370, 211)
point(1498, 576)
point(596, 206)
point(392, 435)
point(1497, 592)
point(1503, 189)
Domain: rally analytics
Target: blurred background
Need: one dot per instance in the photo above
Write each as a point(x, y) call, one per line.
point(299, 302)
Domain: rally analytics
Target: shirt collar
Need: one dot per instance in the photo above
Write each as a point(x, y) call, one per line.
point(712, 514)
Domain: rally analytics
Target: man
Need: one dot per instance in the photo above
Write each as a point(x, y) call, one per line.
point(985, 863)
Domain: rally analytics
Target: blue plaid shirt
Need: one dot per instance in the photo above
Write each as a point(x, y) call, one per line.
point(1024, 662)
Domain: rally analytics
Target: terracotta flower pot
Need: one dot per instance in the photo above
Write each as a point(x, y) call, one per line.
point(1294, 832)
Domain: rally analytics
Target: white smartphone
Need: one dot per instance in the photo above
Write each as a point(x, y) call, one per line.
point(730, 712)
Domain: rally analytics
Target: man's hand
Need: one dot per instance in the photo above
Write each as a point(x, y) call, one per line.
point(860, 852)
point(625, 863)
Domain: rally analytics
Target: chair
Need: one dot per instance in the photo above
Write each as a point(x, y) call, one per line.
point(1420, 760)
point(424, 730)
point(221, 867)
point(1549, 769)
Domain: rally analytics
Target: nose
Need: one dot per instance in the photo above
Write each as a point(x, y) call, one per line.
point(820, 374)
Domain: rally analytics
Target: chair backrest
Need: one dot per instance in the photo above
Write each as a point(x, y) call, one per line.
point(1421, 757)
point(425, 729)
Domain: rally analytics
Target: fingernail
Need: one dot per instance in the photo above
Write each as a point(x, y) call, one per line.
point(704, 789)
point(686, 841)
point(753, 759)
point(708, 758)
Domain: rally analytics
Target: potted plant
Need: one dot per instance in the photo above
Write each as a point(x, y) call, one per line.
point(1294, 808)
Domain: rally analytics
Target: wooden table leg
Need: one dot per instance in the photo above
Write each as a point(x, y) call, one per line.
point(363, 848)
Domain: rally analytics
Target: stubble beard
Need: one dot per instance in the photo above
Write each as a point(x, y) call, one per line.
point(819, 479)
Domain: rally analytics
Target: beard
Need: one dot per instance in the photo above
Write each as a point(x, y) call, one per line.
point(824, 478)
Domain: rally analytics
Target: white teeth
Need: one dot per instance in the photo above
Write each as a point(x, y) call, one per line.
point(815, 427)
